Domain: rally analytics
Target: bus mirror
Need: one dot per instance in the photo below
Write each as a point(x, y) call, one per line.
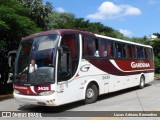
point(9, 61)
point(60, 49)
point(11, 77)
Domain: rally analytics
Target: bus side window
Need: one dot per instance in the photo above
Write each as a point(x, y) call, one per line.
point(97, 53)
point(118, 50)
point(90, 47)
point(134, 51)
point(150, 53)
point(141, 53)
point(103, 48)
point(147, 53)
point(69, 41)
point(130, 54)
point(124, 46)
point(138, 52)
point(111, 49)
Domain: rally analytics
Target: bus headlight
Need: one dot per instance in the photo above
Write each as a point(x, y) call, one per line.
point(46, 93)
point(16, 91)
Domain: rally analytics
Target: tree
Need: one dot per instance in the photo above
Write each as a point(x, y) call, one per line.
point(69, 21)
point(39, 11)
point(61, 20)
point(14, 26)
point(157, 34)
point(155, 44)
point(142, 40)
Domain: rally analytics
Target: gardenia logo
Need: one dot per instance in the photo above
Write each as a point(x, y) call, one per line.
point(139, 65)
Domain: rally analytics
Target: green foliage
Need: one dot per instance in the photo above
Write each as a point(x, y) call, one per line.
point(156, 46)
point(69, 21)
point(138, 40)
point(14, 24)
point(19, 18)
point(2, 43)
point(38, 11)
point(60, 20)
point(156, 63)
point(3, 26)
point(10, 3)
point(157, 34)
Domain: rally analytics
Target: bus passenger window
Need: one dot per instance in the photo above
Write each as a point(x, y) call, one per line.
point(148, 53)
point(70, 41)
point(145, 53)
point(111, 49)
point(124, 50)
point(103, 47)
point(134, 50)
point(141, 53)
point(129, 51)
point(118, 50)
point(89, 47)
point(97, 49)
point(138, 52)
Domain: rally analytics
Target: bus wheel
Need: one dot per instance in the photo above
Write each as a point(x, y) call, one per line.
point(91, 94)
point(142, 82)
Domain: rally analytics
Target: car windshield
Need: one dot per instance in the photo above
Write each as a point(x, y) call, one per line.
point(35, 59)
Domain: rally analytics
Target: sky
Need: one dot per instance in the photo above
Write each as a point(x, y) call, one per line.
point(133, 18)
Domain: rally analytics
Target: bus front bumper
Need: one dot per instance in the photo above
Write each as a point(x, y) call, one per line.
point(36, 100)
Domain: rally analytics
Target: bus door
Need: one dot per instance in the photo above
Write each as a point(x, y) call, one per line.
point(64, 65)
point(67, 66)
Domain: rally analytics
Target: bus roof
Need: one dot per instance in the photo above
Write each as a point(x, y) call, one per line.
point(58, 31)
point(63, 31)
point(120, 40)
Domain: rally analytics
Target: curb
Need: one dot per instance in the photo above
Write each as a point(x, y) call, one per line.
point(2, 97)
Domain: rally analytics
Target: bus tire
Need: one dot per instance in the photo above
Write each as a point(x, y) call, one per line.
point(142, 82)
point(91, 94)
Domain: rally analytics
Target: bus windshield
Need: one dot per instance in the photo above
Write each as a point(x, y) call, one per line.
point(35, 60)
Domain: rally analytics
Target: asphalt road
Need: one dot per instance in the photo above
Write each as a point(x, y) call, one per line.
point(130, 100)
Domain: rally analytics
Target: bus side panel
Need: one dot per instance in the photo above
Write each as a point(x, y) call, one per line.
point(75, 89)
point(117, 83)
point(149, 77)
point(69, 91)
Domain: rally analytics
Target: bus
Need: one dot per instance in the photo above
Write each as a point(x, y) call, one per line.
point(61, 66)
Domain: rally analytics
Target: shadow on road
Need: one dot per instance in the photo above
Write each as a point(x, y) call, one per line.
point(68, 107)
point(48, 109)
point(117, 93)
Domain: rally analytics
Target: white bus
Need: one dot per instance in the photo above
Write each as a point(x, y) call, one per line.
point(62, 66)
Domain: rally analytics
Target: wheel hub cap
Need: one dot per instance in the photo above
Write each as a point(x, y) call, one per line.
point(90, 93)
